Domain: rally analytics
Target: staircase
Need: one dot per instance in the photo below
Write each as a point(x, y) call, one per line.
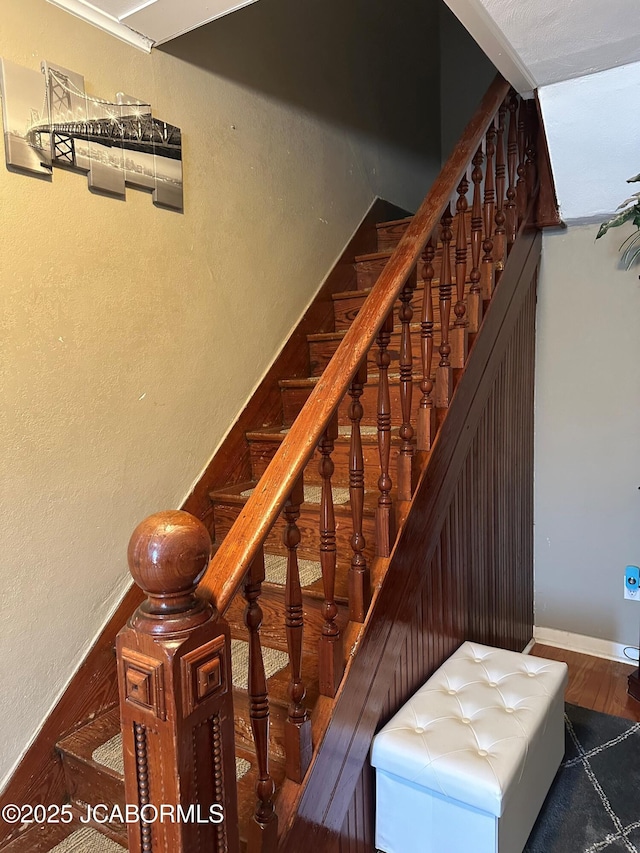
point(361, 495)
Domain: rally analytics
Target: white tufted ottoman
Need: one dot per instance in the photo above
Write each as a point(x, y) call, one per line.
point(465, 765)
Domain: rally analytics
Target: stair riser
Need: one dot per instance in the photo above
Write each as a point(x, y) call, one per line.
point(243, 733)
point(294, 398)
point(90, 784)
point(389, 234)
point(345, 310)
point(368, 269)
point(321, 352)
point(272, 631)
point(262, 452)
point(309, 549)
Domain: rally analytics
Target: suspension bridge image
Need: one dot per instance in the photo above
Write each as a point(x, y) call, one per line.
point(116, 143)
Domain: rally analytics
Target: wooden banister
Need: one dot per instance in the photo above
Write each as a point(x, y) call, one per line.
point(226, 571)
point(171, 551)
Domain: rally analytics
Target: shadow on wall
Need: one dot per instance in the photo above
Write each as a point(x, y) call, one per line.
point(366, 65)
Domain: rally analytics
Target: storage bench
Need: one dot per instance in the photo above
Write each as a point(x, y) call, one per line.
point(465, 765)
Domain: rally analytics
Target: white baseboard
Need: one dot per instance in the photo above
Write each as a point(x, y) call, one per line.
point(580, 643)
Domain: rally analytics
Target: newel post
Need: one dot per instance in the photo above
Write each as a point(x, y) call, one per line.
point(176, 707)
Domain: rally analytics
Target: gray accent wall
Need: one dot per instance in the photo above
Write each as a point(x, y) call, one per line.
point(587, 444)
point(465, 75)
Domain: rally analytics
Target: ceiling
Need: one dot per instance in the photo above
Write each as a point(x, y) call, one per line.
point(147, 23)
point(548, 41)
point(532, 44)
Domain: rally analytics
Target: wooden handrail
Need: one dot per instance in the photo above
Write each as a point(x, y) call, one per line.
point(361, 704)
point(227, 569)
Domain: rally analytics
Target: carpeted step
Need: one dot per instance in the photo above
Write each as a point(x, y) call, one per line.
point(264, 443)
point(347, 304)
point(323, 346)
point(295, 393)
point(312, 494)
point(275, 566)
point(228, 503)
point(389, 233)
point(87, 840)
point(109, 755)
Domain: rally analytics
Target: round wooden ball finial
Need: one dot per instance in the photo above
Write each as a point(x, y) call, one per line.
point(168, 553)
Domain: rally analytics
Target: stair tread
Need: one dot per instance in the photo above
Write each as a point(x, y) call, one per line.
point(83, 742)
point(109, 756)
point(42, 839)
point(277, 434)
point(340, 333)
point(311, 381)
point(386, 253)
point(404, 221)
point(87, 840)
point(233, 494)
point(435, 284)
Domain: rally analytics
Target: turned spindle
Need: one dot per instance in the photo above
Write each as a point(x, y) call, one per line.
point(521, 186)
point(500, 234)
point(359, 574)
point(297, 728)
point(406, 432)
point(444, 378)
point(474, 299)
point(263, 829)
point(331, 657)
point(487, 273)
point(458, 336)
point(426, 425)
point(385, 515)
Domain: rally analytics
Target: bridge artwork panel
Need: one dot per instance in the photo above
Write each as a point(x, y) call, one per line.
point(50, 120)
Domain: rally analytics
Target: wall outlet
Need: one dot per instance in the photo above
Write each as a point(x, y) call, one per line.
point(632, 583)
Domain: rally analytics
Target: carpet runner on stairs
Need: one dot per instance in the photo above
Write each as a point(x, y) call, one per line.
point(345, 430)
point(275, 566)
point(87, 841)
point(109, 754)
point(312, 494)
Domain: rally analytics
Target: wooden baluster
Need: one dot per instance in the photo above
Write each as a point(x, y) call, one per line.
point(426, 431)
point(458, 337)
point(511, 209)
point(331, 657)
point(359, 575)
point(406, 432)
point(176, 702)
point(297, 728)
point(385, 516)
point(488, 277)
point(263, 829)
point(444, 378)
point(532, 128)
point(499, 243)
point(474, 300)
point(521, 186)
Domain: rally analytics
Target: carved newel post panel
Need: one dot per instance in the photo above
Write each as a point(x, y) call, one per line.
point(176, 707)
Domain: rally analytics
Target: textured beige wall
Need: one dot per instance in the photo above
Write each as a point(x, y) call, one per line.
point(132, 336)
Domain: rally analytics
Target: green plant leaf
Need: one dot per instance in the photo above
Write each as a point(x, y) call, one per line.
point(615, 221)
point(634, 179)
point(634, 198)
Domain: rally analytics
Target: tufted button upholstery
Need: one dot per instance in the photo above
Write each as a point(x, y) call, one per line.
point(465, 734)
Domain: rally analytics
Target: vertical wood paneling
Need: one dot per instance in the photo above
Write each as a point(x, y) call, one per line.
point(479, 583)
